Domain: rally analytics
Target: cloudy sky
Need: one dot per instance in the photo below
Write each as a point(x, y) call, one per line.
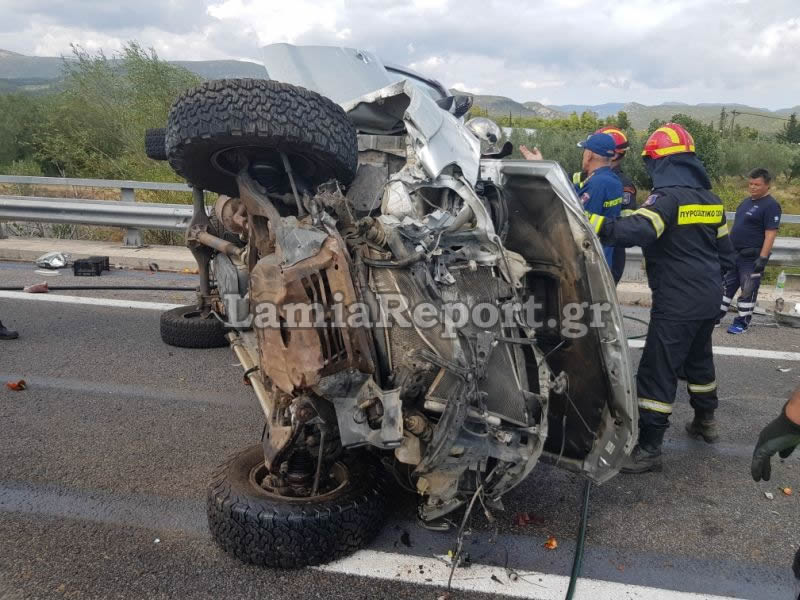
point(553, 51)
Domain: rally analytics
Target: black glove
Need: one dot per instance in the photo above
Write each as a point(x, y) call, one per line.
point(760, 264)
point(781, 436)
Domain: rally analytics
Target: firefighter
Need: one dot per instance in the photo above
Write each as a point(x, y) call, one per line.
point(684, 235)
point(600, 191)
point(781, 436)
point(628, 193)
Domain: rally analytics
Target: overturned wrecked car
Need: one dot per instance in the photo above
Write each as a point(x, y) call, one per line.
point(405, 303)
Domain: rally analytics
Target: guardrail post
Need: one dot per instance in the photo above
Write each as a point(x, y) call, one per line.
point(133, 237)
point(3, 234)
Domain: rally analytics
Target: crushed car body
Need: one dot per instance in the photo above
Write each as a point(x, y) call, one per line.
point(397, 299)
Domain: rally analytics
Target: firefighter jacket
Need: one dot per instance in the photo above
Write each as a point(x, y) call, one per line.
point(683, 232)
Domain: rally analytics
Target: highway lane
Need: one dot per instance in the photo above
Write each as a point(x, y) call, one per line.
point(111, 446)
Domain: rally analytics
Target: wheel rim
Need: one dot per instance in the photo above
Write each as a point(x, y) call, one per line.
point(226, 161)
point(338, 471)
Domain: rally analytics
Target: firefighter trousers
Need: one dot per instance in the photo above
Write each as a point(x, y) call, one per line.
point(669, 345)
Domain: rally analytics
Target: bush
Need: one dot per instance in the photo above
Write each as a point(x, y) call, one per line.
point(95, 126)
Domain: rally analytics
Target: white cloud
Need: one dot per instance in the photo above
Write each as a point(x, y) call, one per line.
point(578, 50)
point(542, 83)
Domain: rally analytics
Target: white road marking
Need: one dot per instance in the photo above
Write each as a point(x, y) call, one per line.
point(111, 302)
point(747, 352)
point(114, 303)
point(478, 578)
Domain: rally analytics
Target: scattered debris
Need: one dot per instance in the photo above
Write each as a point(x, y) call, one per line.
point(92, 266)
point(526, 518)
point(405, 539)
point(551, 543)
point(445, 596)
point(496, 579)
point(156, 541)
point(53, 260)
point(17, 386)
point(153, 267)
point(769, 495)
point(189, 271)
point(787, 491)
point(783, 369)
point(36, 288)
point(47, 272)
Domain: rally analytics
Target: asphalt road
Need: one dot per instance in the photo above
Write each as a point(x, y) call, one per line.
point(106, 455)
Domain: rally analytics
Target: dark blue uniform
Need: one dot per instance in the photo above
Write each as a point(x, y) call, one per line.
point(628, 207)
point(684, 236)
point(753, 219)
point(601, 195)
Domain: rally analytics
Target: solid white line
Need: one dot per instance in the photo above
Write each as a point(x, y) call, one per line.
point(160, 306)
point(111, 302)
point(478, 578)
point(747, 352)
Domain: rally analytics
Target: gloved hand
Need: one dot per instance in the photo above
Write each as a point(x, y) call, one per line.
point(760, 264)
point(781, 436)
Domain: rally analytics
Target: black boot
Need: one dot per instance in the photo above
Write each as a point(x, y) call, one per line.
point(703, 426)
point(7, 334)
point(642, 460)
point(646, 456)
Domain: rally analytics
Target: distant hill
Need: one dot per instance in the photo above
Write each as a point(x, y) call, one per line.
point(601, 110)
point(43, 74)
point(40, 74)
point(641, 116)
point(502, 106)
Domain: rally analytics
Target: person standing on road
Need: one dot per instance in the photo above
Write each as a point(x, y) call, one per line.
point(601, 190)
point(781, 436)
point(682, 230)
point(755, 228)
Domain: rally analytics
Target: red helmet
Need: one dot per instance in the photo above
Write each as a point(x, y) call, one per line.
point(667, 140)
point(620, 139)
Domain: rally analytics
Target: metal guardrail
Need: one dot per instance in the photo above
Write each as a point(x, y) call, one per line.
point(133, 216)
point(125, 213)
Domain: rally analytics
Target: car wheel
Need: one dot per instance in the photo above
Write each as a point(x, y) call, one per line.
point(263, 528)
point(213, 125)
point(188, 327)
point(154, 143)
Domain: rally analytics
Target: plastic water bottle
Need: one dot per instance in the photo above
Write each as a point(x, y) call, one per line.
point(780, 284)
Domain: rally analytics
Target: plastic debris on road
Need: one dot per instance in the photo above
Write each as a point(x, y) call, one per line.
point(53, 260)
point(17, 386)
point(551, 543)
point(36, 288)
point(769, 495)
point(787, 491)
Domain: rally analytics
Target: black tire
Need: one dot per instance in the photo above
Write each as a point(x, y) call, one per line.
point(185, 327)
point(263, 118)
point(155, 143)
point(262, 529)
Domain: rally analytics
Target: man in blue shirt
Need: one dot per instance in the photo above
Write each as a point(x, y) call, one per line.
point(601, 191)
point(754, 231)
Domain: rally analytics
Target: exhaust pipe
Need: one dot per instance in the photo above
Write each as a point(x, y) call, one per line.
point(249, 365)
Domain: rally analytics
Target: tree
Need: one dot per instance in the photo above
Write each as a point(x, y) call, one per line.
point(723, 120)
point(790, 134)
point(623, 122)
